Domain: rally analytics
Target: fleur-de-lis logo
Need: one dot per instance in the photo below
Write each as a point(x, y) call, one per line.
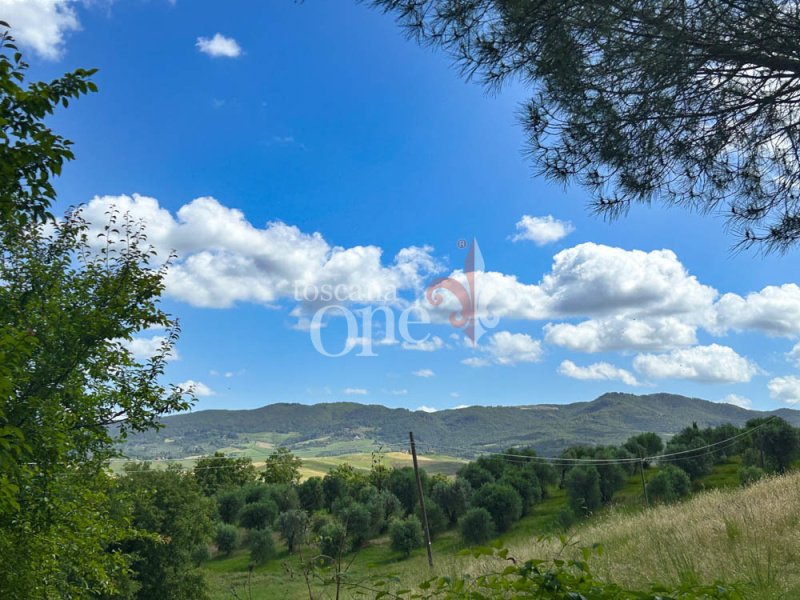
point(469, 317)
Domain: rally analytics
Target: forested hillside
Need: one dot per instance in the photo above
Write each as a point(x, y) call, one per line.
point(548, 428)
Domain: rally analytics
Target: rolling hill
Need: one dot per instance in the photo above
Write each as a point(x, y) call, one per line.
point(345, 427)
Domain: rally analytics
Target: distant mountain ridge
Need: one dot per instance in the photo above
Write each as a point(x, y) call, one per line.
point(549, 428)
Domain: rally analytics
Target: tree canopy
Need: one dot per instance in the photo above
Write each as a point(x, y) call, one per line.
point(694, 104)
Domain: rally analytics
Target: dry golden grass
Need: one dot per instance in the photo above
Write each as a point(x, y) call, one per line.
point(748, 535)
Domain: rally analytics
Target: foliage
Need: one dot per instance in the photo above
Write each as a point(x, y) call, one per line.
point(696, 464)
point(437, 520)
point(452, 496)
point(403, 484)
point(258, 515)
point(69, 304)
point(292, 526)
point(777, 443)
point(405, 534)
point(558, 579)
point(695, 104)
point(169, 504)
point(749, 475)
point(644, 444)
point(502, 502)
point(583, 489)
point(670, 484)
point(357, 520)
point(476, 526)
point(262, 546)
point(311, 494)
point(332, 540)
point(226, 538)
point(219, 473)
point(475, 475)
point(229, 506)
point(282, 467)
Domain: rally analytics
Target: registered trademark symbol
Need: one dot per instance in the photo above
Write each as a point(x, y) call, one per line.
point(461, 244)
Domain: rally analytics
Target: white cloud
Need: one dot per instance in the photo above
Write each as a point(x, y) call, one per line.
point(429, 345)
point(199, 388)
point(144, 348)
point(706, 364)
point(460, 406)
point(427, 409)
point(222, 259)
point(506, 348)
point(620, 333)
point(41, 25)
point(775, 310)
point(424, 373)
point(400, 392)
point(455, 395)
point(219, 46)
point(355, 392)
point(794, 355)
point(737, 400)
point(597, 371)
point(541, 230)
point(786, 389)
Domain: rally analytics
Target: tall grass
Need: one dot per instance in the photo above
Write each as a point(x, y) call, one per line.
point(747, 535)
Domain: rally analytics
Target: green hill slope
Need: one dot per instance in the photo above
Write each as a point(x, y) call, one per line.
point(346, 427)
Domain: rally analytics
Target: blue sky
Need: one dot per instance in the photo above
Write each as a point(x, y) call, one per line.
point(322, 118)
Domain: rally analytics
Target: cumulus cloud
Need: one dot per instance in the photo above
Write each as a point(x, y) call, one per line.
point(737, 400)
point(786, 389)
point(541, 230)
point(706, 364)
point(355, 392)
point(775, 310)
point(794, 355)
point(621, 333)
point(425, 373)
point(143, 348)
point(596, 372)
point(427, 409)
point(199, 388)
point(219, 46)
point(41, 25)
point(223, 259)
point(506, 348)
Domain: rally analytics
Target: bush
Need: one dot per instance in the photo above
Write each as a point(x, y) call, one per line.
point(583, 489)
point(229, 505)
point(311, 494)
point(262, 546)
point(259, 515)
point(332, 540)
point(502, 502)
point(476, 526)
point(405, 534)
point(670, 484)
point(357, 520)
point(200, 554)
point(453, 497)
point(566, 518)
point(749, 475)
point(226, 538)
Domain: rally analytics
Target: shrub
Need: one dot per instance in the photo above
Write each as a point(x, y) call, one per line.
point(437, 520)
point(670, 484)
point(311, 494)
point(226, 538)
point(501, 501)
point(566, 518)
point(262, 546)
point(749, 475)
point(475, 475)
point(583, 489)
point(405, 534)
point(200, 554)
point(476, 526)
point(453, 497)
point(259, 515)
point(357, 520)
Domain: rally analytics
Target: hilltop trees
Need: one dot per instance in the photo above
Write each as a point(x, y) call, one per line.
point(694, 104)
point(219, 472)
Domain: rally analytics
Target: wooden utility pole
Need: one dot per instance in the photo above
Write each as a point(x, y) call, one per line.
point(421, 499)
point(644, 486)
